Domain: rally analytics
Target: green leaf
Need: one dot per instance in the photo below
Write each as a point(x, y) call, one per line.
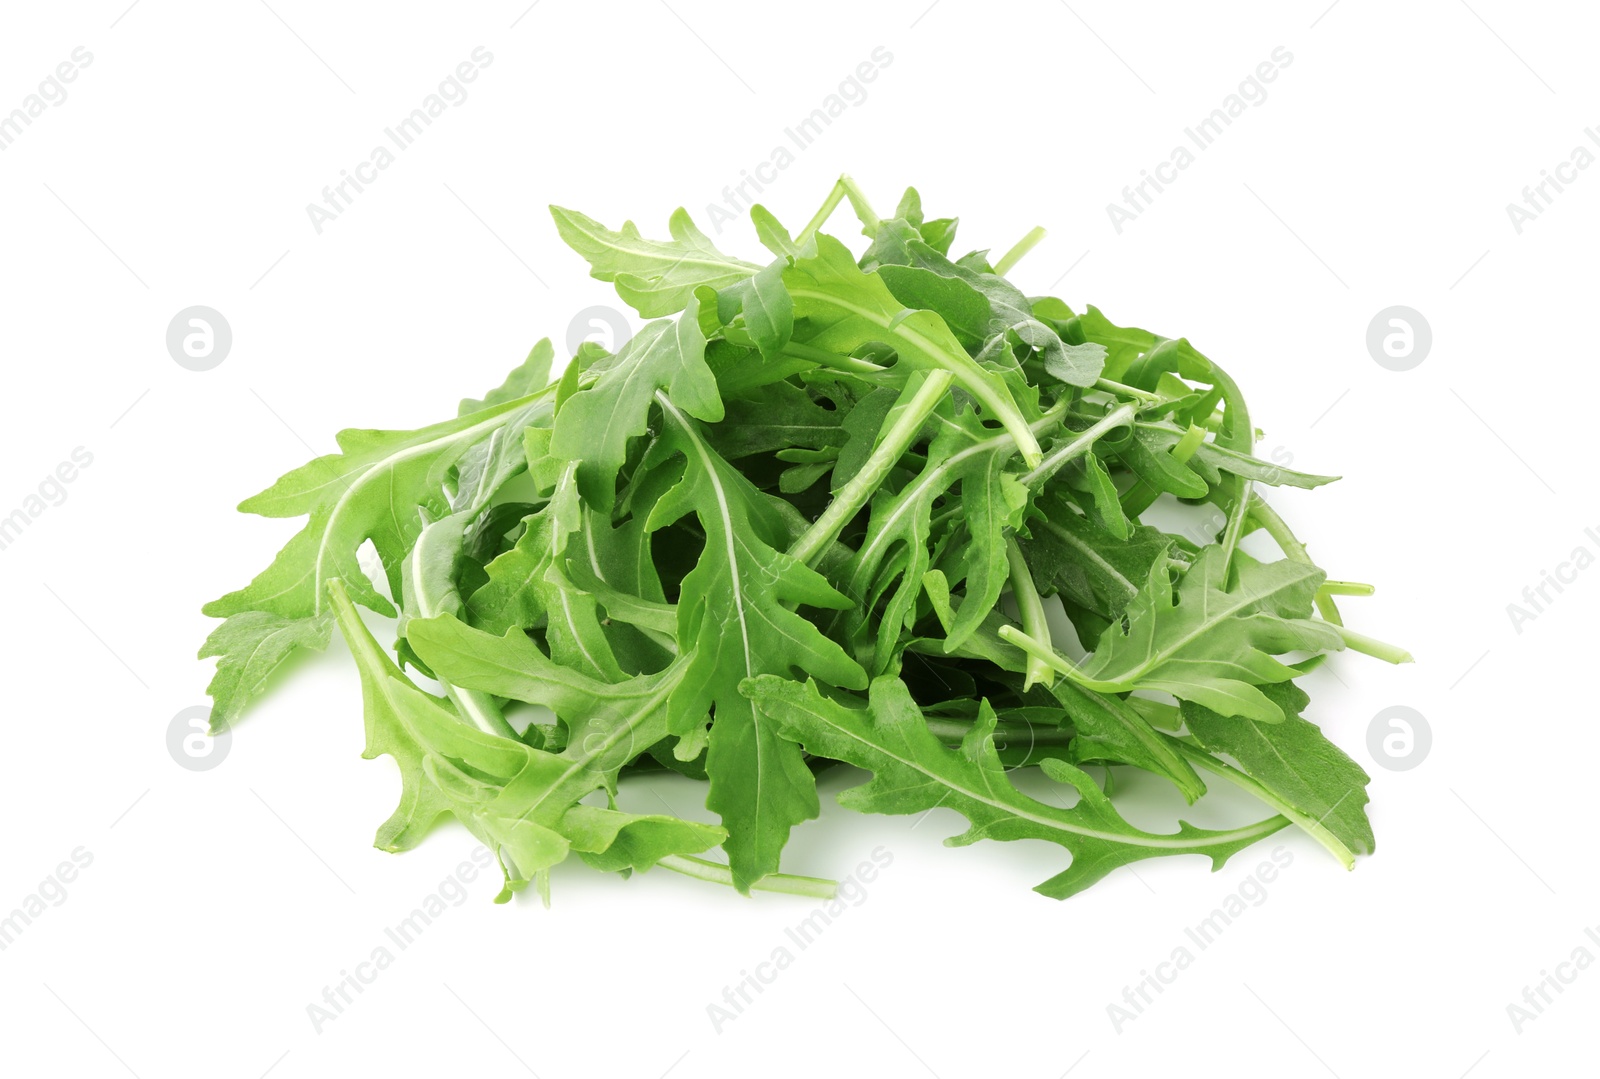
point(249, 646)
point(1311, 780)
point(530, 376)
point(520, 802)
point(595, 423)
point(379, 487)
point(735, 621)
point(912, 772)
point(848, 308)
point(656, 277)
point(963, 456)
point(1213, 644)
point(1109, 730)
point(528, 586)
point(1107, 503)
point(1090, 567)
point(773, 236)
point(766, 307)
point(984, 302)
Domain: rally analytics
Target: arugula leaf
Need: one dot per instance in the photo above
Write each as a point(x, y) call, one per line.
point(1208, 643)
point(734, 613)
point(912, 772)
point(655, 277)
point(962, 455)
point(1307, 777)
point(595, 423)
point(351, 497)
point(848, 308)
point(830, 468)
point(521, 802)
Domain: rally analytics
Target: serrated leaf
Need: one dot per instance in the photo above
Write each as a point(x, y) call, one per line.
point(656, 277)
point(530, 376)
point(519, 801)
point(595, 423)
point(1212, 644)
point(1312, 777)
point(735, 621)
point(848, 308)
point(380, 487)
point(912, 772)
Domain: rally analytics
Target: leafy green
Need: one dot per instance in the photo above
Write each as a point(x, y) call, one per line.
point(913, 772)
point(881, 509)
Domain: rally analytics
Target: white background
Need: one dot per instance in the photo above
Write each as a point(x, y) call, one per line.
point(220, 903)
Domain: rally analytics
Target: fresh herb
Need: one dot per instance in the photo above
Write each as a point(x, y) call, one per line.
point(823, 508)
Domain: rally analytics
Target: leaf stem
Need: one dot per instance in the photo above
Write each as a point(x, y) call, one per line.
point(899, 431)
point(1118, 417)
point(1346, 588)
point(1309, 825)
point(717, 873)
point(1055, 660)
point(844, 186)
point(1019, 249)
point(1290, 544)
point(819, 218)
point(1127, 391)
point(954, 730)
point(1236, 434)
point(1371, 646)
point(1031, 608)
point(852, 364)
point(858, 202)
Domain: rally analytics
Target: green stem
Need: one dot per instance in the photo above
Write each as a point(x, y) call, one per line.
point(1295, 551)
point(858, 202)
point(1236, 433)
point(842, 187)
point(905, 336)
point(1188, 444)
point(954, 730)
point(716, 873)
point(1020, 248)
point(474, 706)
point(900, 430)
point(819, 218)
point(1120, 416)
point(825, 358)
point(1127, 391)
point(1031, 607)
point(1309, 825)
point(1346, 588)
point(1055, 660)
point(1371, 646)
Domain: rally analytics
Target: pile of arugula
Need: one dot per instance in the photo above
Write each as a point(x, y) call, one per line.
point(825, 508)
